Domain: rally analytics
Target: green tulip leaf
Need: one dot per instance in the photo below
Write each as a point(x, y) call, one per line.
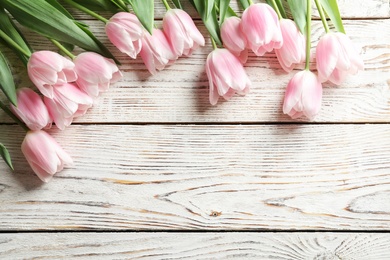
point(177, 4)
point(99, 5)
point(332, 10)
point(223, 10)
point(144, 10)
point(7, 84)
point(210, 20)
point(9, 28)
point(6, 157)
point(209, 6)
point(230, 12)
point(60, 8)
point(104, 48)
point(244, 4)
point(299, 13)
point(279, 5)
point(45, 19)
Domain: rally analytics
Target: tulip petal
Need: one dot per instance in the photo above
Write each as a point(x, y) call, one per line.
point(327, 54)
point(261, 27)
point(232, 36)
point(31, 109)
point(47, 69)
point(226, 75)
point(41, 173)
point(95, 73)
point(293, 92)
point(303, 95)
point(213, 95)
point(311, 95)
point(45, 156)
point(181, 32)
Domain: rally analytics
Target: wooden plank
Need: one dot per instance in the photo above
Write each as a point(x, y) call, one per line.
point(361, 9)
point(180, 92)
point(205, 177)
point(349, 9)
point(195, 246)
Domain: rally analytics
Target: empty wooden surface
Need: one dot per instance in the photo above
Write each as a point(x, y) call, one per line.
point(153, 156)
point(305, 177)
point(329, 246)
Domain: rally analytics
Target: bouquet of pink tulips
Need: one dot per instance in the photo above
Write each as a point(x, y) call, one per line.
point(66, 87)
point(265, 27)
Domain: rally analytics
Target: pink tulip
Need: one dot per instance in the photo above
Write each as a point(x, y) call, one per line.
point(233, 37)
point(303, 95)
point(293, 50)
point(260, 24)
point(45, 156)
point(31, 110)
point(336, 57)
point(68, 102)
point(156, 51)
point(226, 75)
point(95, 73)
point(47, 69)
point(125, 31)
point(181, 32)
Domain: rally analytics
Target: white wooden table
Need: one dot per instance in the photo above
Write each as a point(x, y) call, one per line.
point(161, 174)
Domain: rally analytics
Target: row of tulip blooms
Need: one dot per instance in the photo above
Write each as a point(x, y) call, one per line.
point(262, 29)
point(69, 87)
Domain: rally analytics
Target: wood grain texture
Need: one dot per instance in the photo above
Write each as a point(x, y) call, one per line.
point(206, 177)
point(180, 92)
point(258, 177)
point(318, 246)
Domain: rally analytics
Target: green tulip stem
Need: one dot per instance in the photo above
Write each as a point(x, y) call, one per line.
point(166, 4)
point(15, 118)
point(63, 49)
point(322, 15)
point(214, 43)
point(281, 8)
point(276, 8)
point(308, 34)
point(12, 43)
point(122, 5)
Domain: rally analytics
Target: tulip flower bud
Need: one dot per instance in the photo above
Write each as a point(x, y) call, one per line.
point(293, 50)
point(47, 69)
point(260, 24)
point(303, 95)
point(45, 156)
point(336, 57)
point(233, 37)
point(31, 109)
point(226, 75)
point(181, 32)
point(68, 102)
point(125, 31)
point(156, 51)
point(95, 73)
